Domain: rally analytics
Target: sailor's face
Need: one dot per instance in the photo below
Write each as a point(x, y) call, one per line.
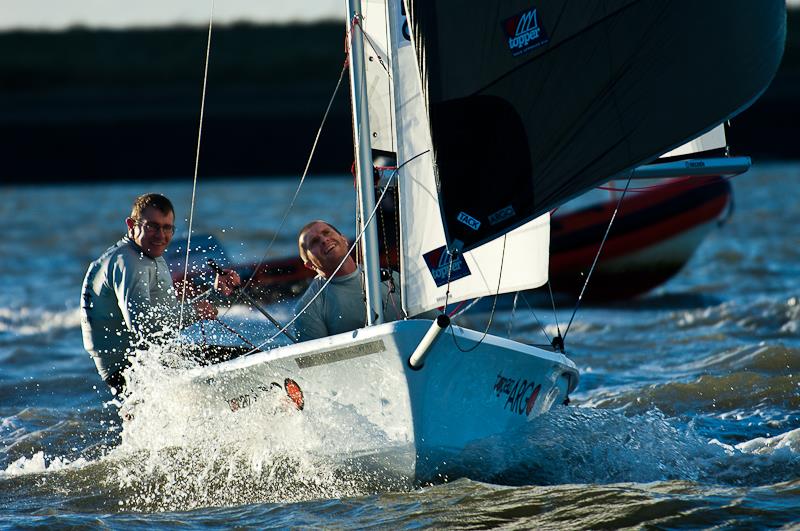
point(152, 231)
point(325, 248)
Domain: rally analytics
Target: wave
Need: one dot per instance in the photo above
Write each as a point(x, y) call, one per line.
point(761, 318)
point(761, 358)
point(738, 380)
point(594, 446)
point(172, 458)
point(672, 504)
point(29, 321)
point(180, 449)
point(710, 394)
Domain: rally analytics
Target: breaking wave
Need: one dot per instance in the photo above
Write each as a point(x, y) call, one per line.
point(585, 445)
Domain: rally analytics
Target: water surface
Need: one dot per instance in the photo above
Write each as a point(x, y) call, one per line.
point(686, 415)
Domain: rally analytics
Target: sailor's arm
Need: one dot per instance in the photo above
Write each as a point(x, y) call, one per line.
point(131, 285)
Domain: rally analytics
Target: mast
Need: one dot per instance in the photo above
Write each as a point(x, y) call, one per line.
point(366, 187)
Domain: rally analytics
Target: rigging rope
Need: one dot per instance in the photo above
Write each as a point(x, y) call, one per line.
point(596, 257)
point(297, 191)
point(553, 303)
point(458, 310)
point(558, 342)
point(513, 315)
point(299, 186)
point(196, 166)
point(237, 334)
point(350, 250)
point(525, 300)
point(366, 36)
point(194, 185)
point(494, 302)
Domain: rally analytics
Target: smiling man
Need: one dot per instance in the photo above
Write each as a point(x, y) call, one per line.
point(342, 306)
point(128, 299)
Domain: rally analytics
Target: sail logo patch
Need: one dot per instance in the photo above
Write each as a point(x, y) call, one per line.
point(502, 215)
point(468, 220)
point(438, 262)
point(524, 32)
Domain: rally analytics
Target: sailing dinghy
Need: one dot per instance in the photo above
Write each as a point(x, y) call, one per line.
point(496, 112)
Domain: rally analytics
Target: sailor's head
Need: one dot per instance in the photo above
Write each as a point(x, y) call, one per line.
point(151, 224)
point(322, 248)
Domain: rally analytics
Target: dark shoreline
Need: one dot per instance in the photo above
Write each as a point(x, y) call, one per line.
point(120, 105)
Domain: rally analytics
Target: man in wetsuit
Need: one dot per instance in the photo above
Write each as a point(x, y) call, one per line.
point(128, 299)
point(341, 307)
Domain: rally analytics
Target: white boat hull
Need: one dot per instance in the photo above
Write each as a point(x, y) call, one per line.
point(411, 422)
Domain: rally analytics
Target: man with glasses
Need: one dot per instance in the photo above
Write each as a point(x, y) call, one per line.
point(128, 299)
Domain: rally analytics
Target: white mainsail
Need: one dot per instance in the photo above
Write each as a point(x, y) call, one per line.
point(514, 262)
point(379, 83)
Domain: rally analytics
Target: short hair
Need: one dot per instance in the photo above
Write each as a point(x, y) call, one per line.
point(302, 232)
point(157, 201)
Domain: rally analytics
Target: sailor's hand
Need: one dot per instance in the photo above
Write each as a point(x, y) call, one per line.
point(228, 282)
point(205, 309)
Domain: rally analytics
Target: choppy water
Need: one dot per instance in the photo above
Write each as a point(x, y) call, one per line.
point(686, 416)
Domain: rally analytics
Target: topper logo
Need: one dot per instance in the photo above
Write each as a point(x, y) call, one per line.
point(527, 22)
point(445, 258)
point(524, 32)
point(441, 268)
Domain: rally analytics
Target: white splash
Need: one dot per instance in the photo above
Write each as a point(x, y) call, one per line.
point(39, 463)
point(785, 442)
point(185, 445)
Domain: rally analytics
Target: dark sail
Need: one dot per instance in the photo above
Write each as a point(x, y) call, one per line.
point(534, 102)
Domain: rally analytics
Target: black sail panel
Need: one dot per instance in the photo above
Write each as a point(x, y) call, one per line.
point(533, 103)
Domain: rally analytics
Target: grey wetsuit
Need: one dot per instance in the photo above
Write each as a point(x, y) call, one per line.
point(128, 301)
point(341, 307)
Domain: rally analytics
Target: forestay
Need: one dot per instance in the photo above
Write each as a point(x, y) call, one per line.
point(515, 262)
point(534, 102)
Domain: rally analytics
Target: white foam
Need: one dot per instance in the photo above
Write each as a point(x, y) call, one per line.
point(184, 446)
point(785, 442)
point(39, 463)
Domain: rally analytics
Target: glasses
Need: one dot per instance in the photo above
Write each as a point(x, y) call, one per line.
point(151, 227)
